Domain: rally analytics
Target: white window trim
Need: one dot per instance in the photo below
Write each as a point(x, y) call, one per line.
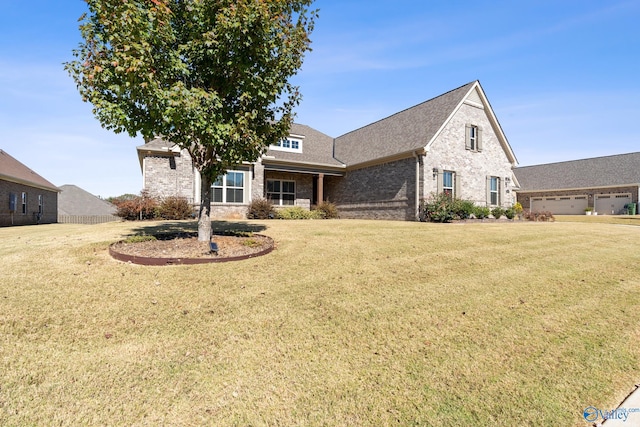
point(296, 138)
point(224, 188)
point(24, 203)
point(496, 192)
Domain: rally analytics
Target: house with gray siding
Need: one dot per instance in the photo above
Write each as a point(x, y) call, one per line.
point(26, 197)
point(452, 143)
point(605, 184)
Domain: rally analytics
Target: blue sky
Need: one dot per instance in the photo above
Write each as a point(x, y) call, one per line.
point(563, 77)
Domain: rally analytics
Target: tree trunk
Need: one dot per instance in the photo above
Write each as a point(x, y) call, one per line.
point(204, 216)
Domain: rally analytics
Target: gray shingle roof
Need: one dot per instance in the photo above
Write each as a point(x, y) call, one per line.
point(73, 200)
point(13, 170)
point(620, 169)
point(317, 148)
point(406, 131)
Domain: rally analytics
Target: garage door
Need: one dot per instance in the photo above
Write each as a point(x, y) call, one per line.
point(612, 204)
point(560, 205)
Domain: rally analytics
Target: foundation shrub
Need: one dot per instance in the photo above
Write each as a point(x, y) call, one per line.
point(497, 212)
point(175, 208)
point(294, 212)
point(481, 212)
point(544, 216)
point(261, 209)
point(327, 210)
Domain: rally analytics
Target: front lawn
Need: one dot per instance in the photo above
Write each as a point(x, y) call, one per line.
point(344, 323)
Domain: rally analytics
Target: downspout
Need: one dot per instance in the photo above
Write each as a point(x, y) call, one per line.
point(417, 198)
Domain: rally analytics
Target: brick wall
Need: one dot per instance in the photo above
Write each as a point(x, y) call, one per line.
point(385, 191)
point(170, 176)
point(50, 205)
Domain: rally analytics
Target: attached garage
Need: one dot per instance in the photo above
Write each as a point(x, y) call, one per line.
point(561, 205)
point(605, 184)
point(611, 204)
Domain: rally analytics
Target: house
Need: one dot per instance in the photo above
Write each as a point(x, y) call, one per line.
point(26, 197)
point(77, 206)
point(452, 143)
point(605, 184)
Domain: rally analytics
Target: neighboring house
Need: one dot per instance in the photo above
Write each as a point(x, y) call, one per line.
point(606, 184)
point(25, 197)
point(77, 206)
point(452, 143)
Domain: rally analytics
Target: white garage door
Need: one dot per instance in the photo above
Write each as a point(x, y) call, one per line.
point(612, 204)
point(560, 205)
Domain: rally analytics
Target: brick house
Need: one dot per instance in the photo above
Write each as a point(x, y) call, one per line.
point(452, 143)
point(27, 198)
point(604, 184)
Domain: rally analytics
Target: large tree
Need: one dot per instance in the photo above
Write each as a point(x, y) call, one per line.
point(212, 76)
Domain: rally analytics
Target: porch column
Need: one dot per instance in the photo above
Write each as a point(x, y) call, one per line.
point(320, 195)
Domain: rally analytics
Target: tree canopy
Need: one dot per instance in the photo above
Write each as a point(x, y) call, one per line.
point(212, 76)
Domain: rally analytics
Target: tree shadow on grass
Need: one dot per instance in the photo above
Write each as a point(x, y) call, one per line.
point(191, 227)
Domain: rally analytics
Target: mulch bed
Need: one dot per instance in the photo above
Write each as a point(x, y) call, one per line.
point(184, 248)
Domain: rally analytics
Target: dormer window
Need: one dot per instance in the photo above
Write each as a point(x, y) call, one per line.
point(291, 143)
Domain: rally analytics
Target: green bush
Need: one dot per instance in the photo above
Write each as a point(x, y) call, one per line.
point(481, 212)
point(175, 208)
point(294, 212)
point(510, 213)
point(497, 212)
point(462, 209)
point(438, 208)
point(327, 210)
point(261, 209)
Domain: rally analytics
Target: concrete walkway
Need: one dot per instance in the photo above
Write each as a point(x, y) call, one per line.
point(627, 414)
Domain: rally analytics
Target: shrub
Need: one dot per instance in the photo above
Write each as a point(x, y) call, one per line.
point(261, 209)
point(463, 209)
point(517, 208)
point(539, 216)
point(294, 212)
point(481, 212)
point(510, 213)
point(175, 208)
point(497, 212)
point(438, 208)
point(137, 208)
point(327, 210)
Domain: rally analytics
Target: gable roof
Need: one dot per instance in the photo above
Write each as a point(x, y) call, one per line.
point(73, 200)
point(406, 131)
point(607, 171)
point(14, 171)
point(413, 129)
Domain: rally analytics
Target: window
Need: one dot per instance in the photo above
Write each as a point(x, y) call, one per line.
point(229, 188)
point(24, 203)
point(448, 178)
point(40, 204)
point(292, 144)
point(281, 193)
point(473, 138)
point(495, 190)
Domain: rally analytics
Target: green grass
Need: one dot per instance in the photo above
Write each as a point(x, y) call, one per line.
point(344, 323)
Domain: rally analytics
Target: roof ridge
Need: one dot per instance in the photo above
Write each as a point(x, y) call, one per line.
point(408, 108)
point(579, 160)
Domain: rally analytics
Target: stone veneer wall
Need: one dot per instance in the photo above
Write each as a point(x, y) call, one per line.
point(448, 152)
point(50, 205)
point(384, 191)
